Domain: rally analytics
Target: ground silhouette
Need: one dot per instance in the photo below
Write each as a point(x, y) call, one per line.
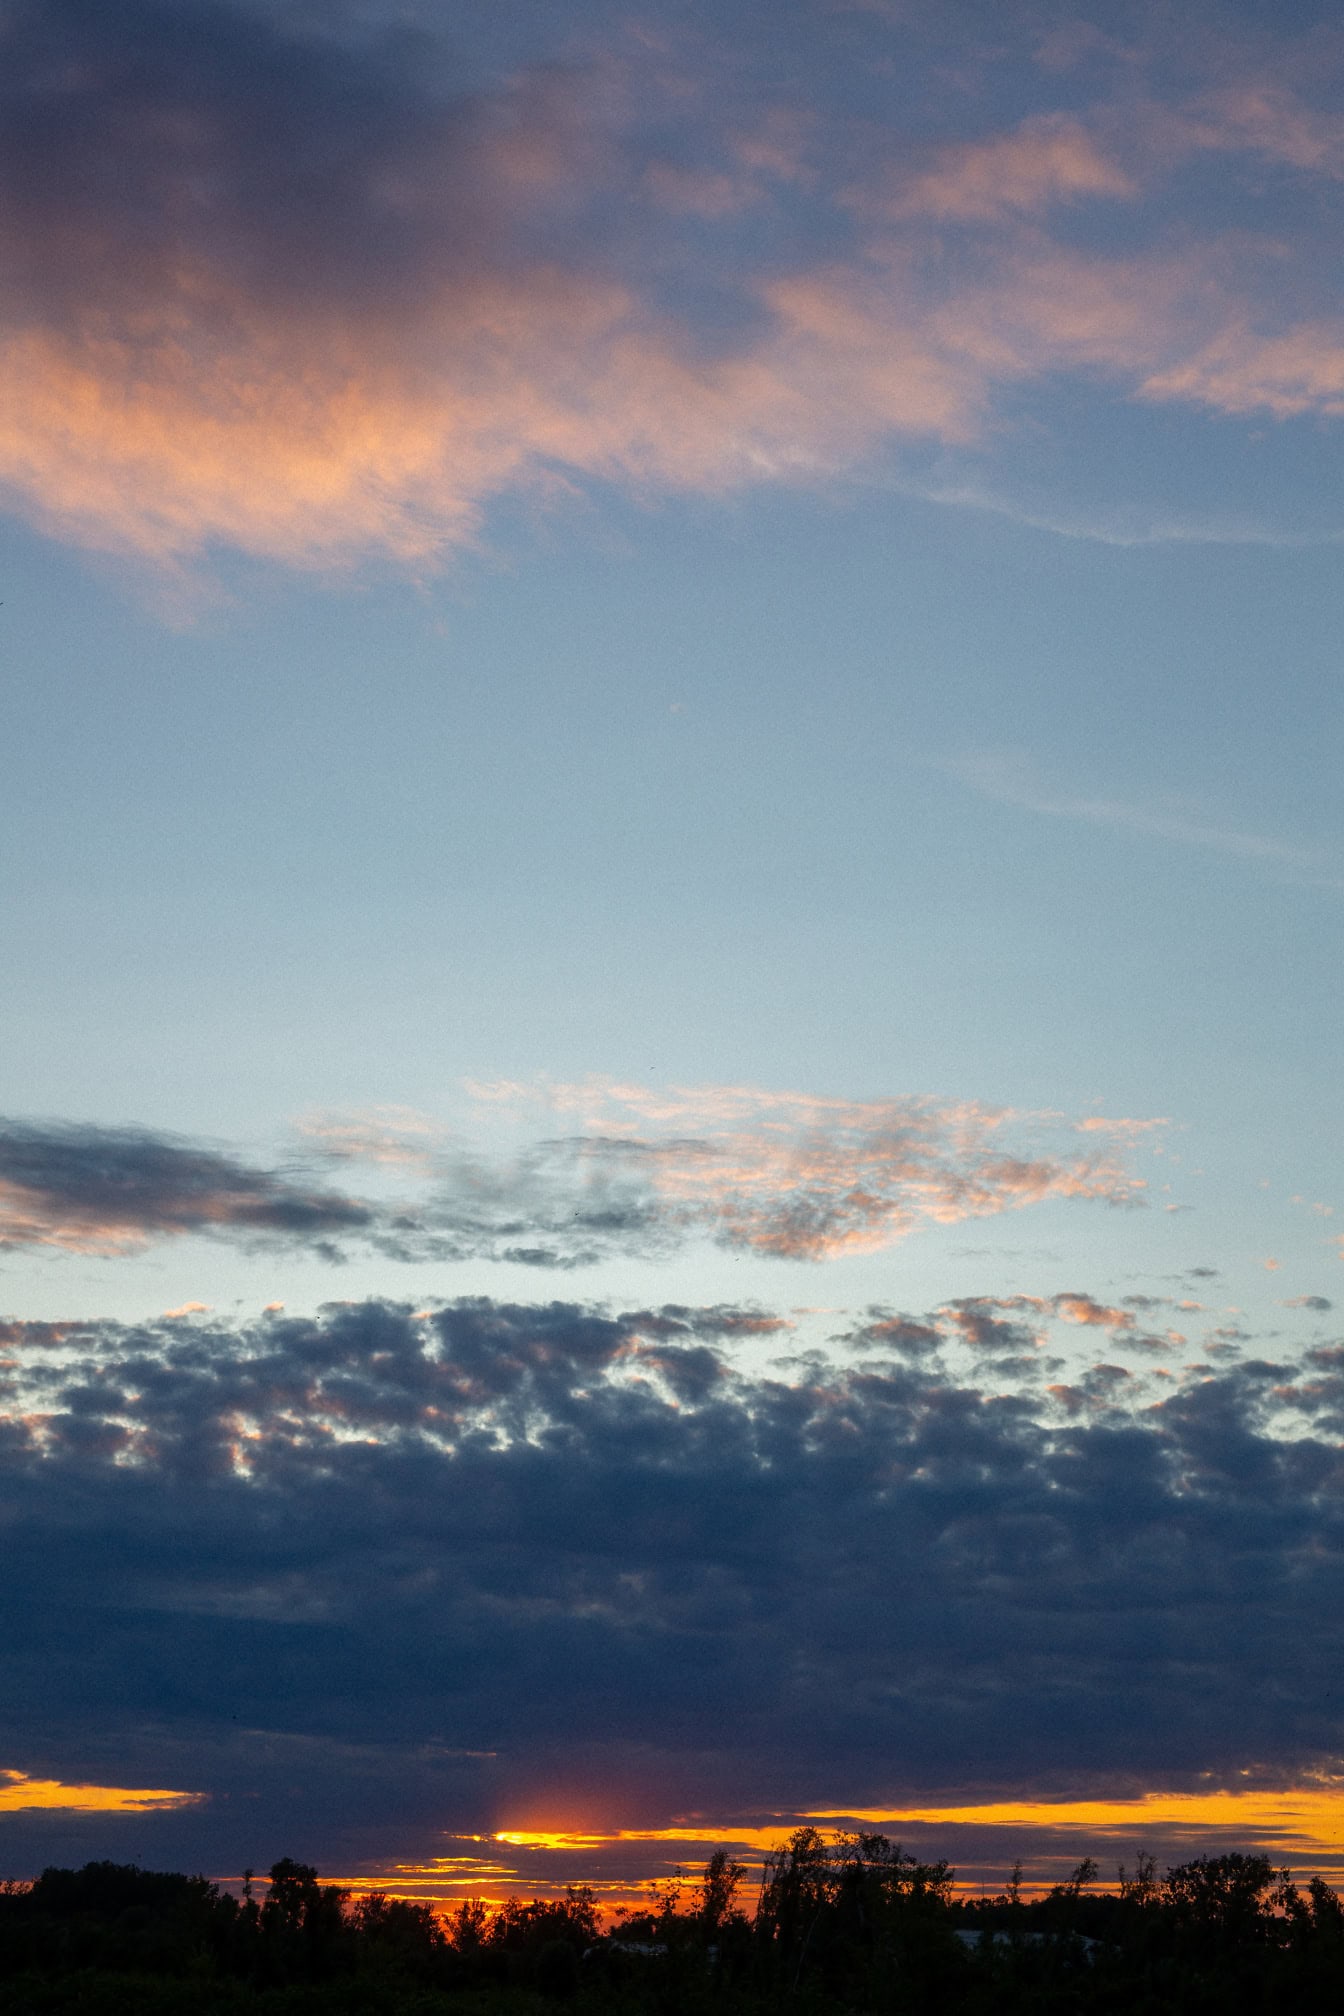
point(832, 1923)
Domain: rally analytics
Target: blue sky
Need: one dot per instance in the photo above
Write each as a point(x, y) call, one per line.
point(680, 661)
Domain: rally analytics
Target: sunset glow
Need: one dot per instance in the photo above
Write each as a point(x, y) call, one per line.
point(671, 880)
point(1300, 1822)
point(1299, 1825)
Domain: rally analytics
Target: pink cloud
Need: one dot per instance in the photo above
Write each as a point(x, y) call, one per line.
point(184, 364)
point(805, 1176)
point(395, 1137)
point(1268, 118)
point(1298, 370)
point(1050, 158)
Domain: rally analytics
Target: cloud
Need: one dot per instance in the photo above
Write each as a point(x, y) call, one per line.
point(785, 1175)
point(1246, 370)
point(368, 1575)
point(311, 300)
point(1010, 777)
point(108, 1190)
point(317, 299)
point(1268, 117)
point(20, 1794)
point(1050, 158)
point(1084, 1309)
point(395, 1136)
point(799, 1176)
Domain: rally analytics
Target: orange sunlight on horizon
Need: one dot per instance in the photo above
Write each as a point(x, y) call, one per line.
point(1302, 1826)
point(1306, 1819)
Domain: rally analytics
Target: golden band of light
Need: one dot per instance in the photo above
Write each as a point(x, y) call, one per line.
point(1309, 1819)
point(21, 1794)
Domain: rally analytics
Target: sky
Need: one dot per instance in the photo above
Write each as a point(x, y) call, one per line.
point(671, 869)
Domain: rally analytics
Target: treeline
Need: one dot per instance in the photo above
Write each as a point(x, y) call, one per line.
point(846, 1923)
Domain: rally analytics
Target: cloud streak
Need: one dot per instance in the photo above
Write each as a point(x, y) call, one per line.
point(1011, 779)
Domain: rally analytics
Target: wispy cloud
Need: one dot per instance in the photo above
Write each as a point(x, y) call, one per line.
point(593, 1169)
point(1051, 158)
point(798, 1176)
point(1266, 116)
point(1243, 369)
point(1012, 778)
point(1120, 523)
point(395, 1137)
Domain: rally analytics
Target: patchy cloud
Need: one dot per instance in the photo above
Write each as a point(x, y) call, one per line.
point(1049, 159)
point(786, 1175)
point(318, 298)
point(484, 1557)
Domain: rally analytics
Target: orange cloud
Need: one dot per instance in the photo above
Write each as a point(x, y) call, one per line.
point(1082, 1309)
point(311, 444)
point(21, 1794)
point(1302, 1821)
point(394, 1137)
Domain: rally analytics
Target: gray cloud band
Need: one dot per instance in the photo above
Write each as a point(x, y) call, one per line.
point(526, 1532)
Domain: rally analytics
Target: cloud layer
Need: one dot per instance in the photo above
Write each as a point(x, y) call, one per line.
point(511, 1565)
point(785, 1175)
point(316, 299)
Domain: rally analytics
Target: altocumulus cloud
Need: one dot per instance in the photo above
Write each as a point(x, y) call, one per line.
point(367, 1575)
point(787, 1175)
point(314, 297)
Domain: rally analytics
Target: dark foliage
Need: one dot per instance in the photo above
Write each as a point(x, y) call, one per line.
point(848, 1923)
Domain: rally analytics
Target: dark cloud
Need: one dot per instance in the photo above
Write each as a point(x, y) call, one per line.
point(898, 1333)
point(382, 1571)
point(99, 1189)
point(174, 149)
